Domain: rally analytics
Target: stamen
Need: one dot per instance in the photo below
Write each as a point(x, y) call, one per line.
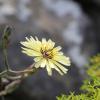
point(46, 54)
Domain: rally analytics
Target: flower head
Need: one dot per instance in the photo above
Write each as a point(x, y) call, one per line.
point(46, 55)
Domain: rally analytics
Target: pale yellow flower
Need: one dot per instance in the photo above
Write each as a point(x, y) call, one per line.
point(46, 55)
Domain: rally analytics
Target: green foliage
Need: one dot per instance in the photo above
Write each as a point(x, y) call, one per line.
point(72, 96)
point(91, 86)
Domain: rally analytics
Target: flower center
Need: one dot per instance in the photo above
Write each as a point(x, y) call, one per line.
point(47, 54)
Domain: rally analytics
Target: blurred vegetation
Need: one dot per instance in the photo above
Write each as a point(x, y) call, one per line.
point(91, 86)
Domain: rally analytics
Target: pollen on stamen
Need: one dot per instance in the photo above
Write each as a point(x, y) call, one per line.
point(46, 54)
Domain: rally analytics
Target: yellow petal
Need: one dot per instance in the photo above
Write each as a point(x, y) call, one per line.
point(27, 39)
point(30, 52)
point(44, 41)
point(32, 39)
point(62, 59)
point(52, 65)
point(49, 69)
point(50, 44)
point(43, 63)
point(58, 48)
point(63, 69)
point(56, 51)
point(32, 44)
point(37, 64)
point(56, 68)
point(36, 59)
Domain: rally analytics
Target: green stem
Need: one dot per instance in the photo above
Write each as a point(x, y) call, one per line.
point(19, 72)
point(2, 73)
point(27, 70)
point(5, 41)
point(6, 60)
point(14, 77)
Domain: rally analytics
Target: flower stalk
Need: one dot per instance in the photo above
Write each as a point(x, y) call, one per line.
point(5, 41)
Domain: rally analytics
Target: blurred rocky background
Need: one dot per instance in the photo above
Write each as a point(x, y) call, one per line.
point(73, 24)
